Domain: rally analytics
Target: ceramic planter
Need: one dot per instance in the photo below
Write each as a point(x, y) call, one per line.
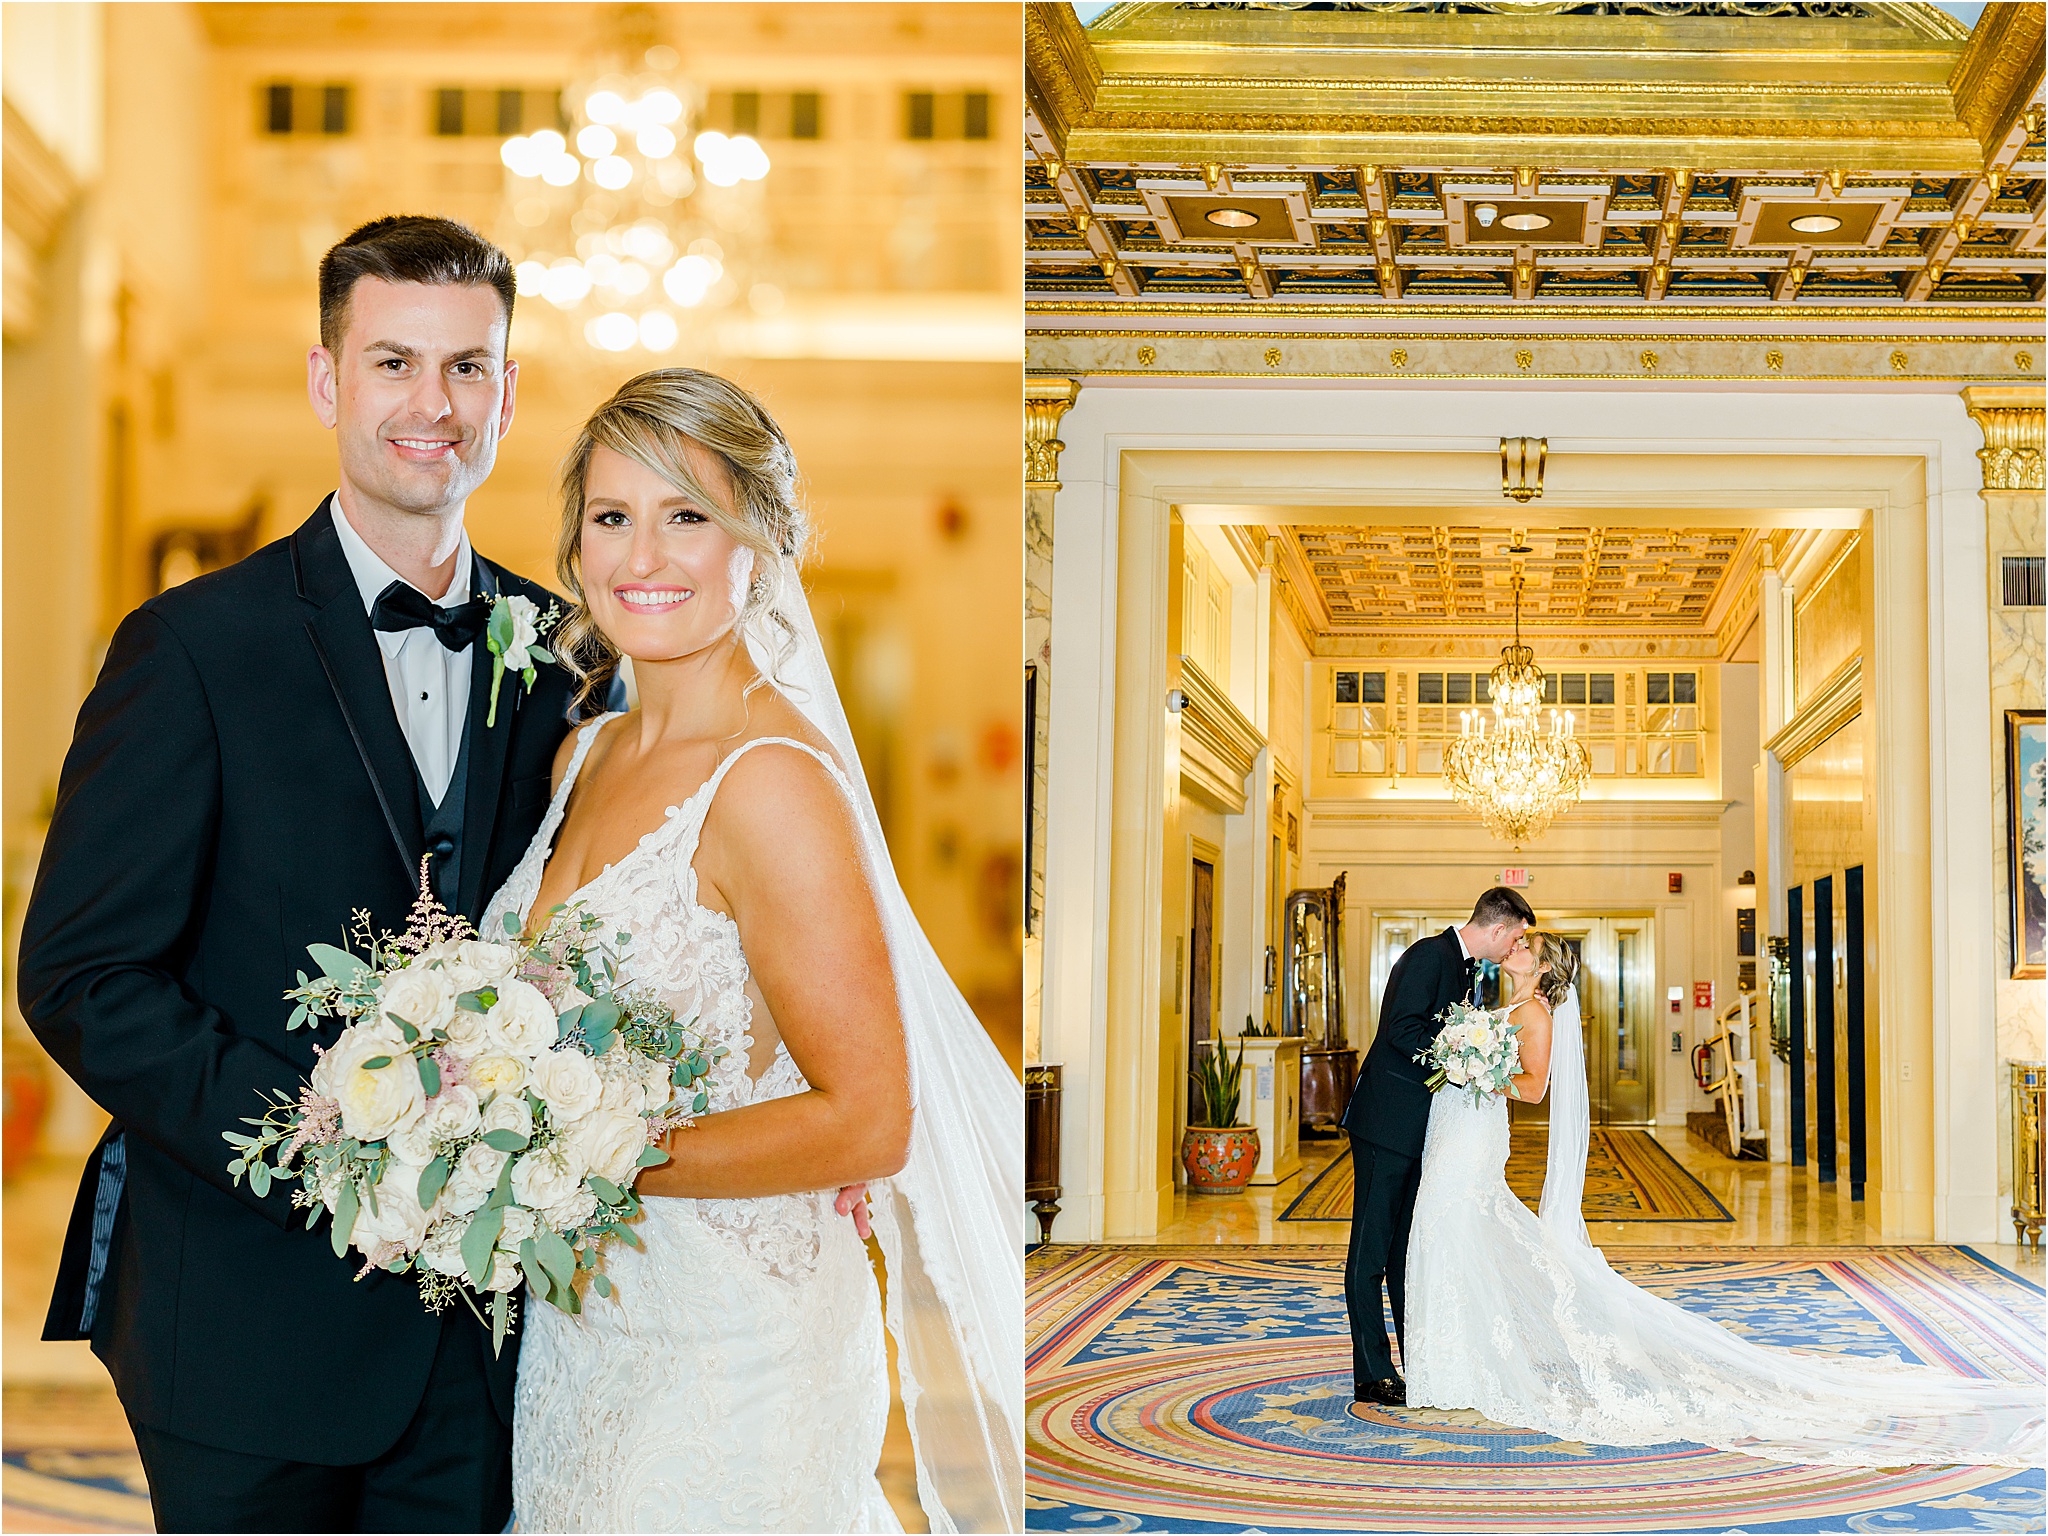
point(1219, 1161)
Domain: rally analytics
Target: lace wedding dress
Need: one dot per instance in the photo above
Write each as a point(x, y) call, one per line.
point(1520, 1317)
point(736, 1379)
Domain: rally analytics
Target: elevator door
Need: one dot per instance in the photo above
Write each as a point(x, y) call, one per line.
point(1617, 1003)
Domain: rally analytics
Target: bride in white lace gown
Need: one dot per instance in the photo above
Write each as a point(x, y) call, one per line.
point(735, 1380)
point(1520, 1317)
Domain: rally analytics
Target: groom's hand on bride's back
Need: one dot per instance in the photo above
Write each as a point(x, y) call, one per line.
point(853, 1201)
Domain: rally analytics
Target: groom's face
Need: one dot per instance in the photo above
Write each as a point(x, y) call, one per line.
point(1495, 941)
point(417, 394)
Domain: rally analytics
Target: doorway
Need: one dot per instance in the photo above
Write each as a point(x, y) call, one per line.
point(1201, 976)
point(1617, 1003)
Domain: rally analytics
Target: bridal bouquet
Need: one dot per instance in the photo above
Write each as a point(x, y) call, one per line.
point(1475, 1050)
point(483, 1116)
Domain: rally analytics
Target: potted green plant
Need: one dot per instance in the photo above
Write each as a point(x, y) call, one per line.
point(1218, 1152)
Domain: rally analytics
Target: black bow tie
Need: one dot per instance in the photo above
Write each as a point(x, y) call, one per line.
point(401, 607)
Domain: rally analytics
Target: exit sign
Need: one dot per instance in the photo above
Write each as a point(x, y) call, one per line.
point(1514, 877)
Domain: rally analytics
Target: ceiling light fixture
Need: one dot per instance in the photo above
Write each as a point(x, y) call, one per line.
point(1816, 223)
point(1485, 214)
point(1516, 775)
point(1526, 221)
point(1232, 218)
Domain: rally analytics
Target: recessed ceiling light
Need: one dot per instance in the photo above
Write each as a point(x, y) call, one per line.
point(1816, 223)
point(1485, 213)
point(1232, 218)
point(1526, 221)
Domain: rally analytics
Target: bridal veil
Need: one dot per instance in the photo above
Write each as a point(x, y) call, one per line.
point(951, 1223)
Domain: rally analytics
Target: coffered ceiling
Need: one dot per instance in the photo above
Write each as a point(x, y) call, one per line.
point(1858, 157)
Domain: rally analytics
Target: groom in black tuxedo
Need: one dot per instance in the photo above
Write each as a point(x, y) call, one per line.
point(267, 749)
point(1386, 1119)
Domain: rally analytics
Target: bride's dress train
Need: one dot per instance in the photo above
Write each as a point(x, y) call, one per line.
point(1520, 1317)
point(736, 1380)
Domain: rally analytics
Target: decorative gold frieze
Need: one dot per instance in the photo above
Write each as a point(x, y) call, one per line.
point(2011, 421)
point(1045, 402)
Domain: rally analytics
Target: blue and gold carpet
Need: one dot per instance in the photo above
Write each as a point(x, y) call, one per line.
point(1205, 1390)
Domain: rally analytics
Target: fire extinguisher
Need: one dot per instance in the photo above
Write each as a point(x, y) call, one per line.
point(1702, 1061)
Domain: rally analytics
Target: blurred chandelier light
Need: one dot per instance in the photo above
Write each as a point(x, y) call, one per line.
point(624, 221)
point(1516, 775)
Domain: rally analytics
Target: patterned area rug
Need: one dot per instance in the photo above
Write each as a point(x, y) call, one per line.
point(70, 1463)
point(1629, 1177)
point(1205, 1389)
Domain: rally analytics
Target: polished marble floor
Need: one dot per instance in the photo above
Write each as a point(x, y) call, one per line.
point(1772, 1203)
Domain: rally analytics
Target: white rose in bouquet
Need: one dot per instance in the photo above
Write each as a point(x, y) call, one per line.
point(656, 1084)
point(471, 965)
point(573, 1212)
point(568, 995)
point(567, 1083)
point(608, 1142)
point(520, 1224)
point(509, 1112)
point(443, 1246)
point(505, 1274)
point(398, 1217)
point(420, 995)
point(469, 1034)
point(474, 1177)
point(544, 1178)
point(453, 1114)
point(522, 1020)
point(497, 1073)
point(623, 1094)
point(374, 1101)
point(1455, 1071)
point(413, 1142)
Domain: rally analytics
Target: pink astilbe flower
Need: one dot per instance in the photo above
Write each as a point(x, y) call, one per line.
point(381, 1257)
point(454, 1070)
point(319, 1123)
point(668, 1120)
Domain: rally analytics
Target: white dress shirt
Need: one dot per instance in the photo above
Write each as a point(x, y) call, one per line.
point(429, 682)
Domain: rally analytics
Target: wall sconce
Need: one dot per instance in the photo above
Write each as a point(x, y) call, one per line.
point(1176, 701)
point(1522, 460)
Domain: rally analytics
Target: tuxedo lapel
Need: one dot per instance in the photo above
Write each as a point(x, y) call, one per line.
point(489, 751)
point(347, 648)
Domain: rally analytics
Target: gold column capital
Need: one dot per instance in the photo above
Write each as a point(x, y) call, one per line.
point(2012, 423)
point(1045, 401)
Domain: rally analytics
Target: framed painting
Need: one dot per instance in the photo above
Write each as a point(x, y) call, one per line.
point(2026, 822)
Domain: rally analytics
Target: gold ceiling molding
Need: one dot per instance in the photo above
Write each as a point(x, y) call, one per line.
point(1219, 746)
point(2012, 423)
point(1772, 315)
point(1045, 402)
point(1839, 701)
point(1999, 71)
point(1887, 361)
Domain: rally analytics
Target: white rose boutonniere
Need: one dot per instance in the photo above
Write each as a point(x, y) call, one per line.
point(513, 639)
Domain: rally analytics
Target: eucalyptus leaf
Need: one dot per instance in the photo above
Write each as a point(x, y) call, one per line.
point(600, 1284)
point(478, 1242)
point(502, 1195)
point(430, 1075)
point(651, 1157)
point(600, 1016)
point(604, 1189)
point(471, 1002)
point(375, 1063)
point(501, 1317)
point(536, 1276)
point(259, 1179)
point(699, 1104)
point(433, 1179)
point(338, 964)
point(406, 1028)
point(568, 1022)
point(556, 1256)
point(502, 1140)
point(501, 628)
point(344, 1217)
point(512, 924)
point(628, 1236)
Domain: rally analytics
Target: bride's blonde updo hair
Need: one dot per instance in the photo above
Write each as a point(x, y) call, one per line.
point(648, 421)
point(1550, 950)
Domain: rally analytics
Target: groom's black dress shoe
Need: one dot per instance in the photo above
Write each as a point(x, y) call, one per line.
point(1391, 1391)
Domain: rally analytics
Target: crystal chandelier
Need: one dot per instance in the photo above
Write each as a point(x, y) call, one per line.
point(1514, 773)
point(625, 221)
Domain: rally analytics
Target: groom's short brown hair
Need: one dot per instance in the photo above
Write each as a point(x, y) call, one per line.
point(1502, 904)
point(409, 248)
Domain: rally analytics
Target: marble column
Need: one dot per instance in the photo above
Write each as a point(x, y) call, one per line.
point(2013, 495)
point(1045, 401)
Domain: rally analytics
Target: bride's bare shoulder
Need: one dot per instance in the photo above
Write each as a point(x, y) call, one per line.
point(1532, 1013)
